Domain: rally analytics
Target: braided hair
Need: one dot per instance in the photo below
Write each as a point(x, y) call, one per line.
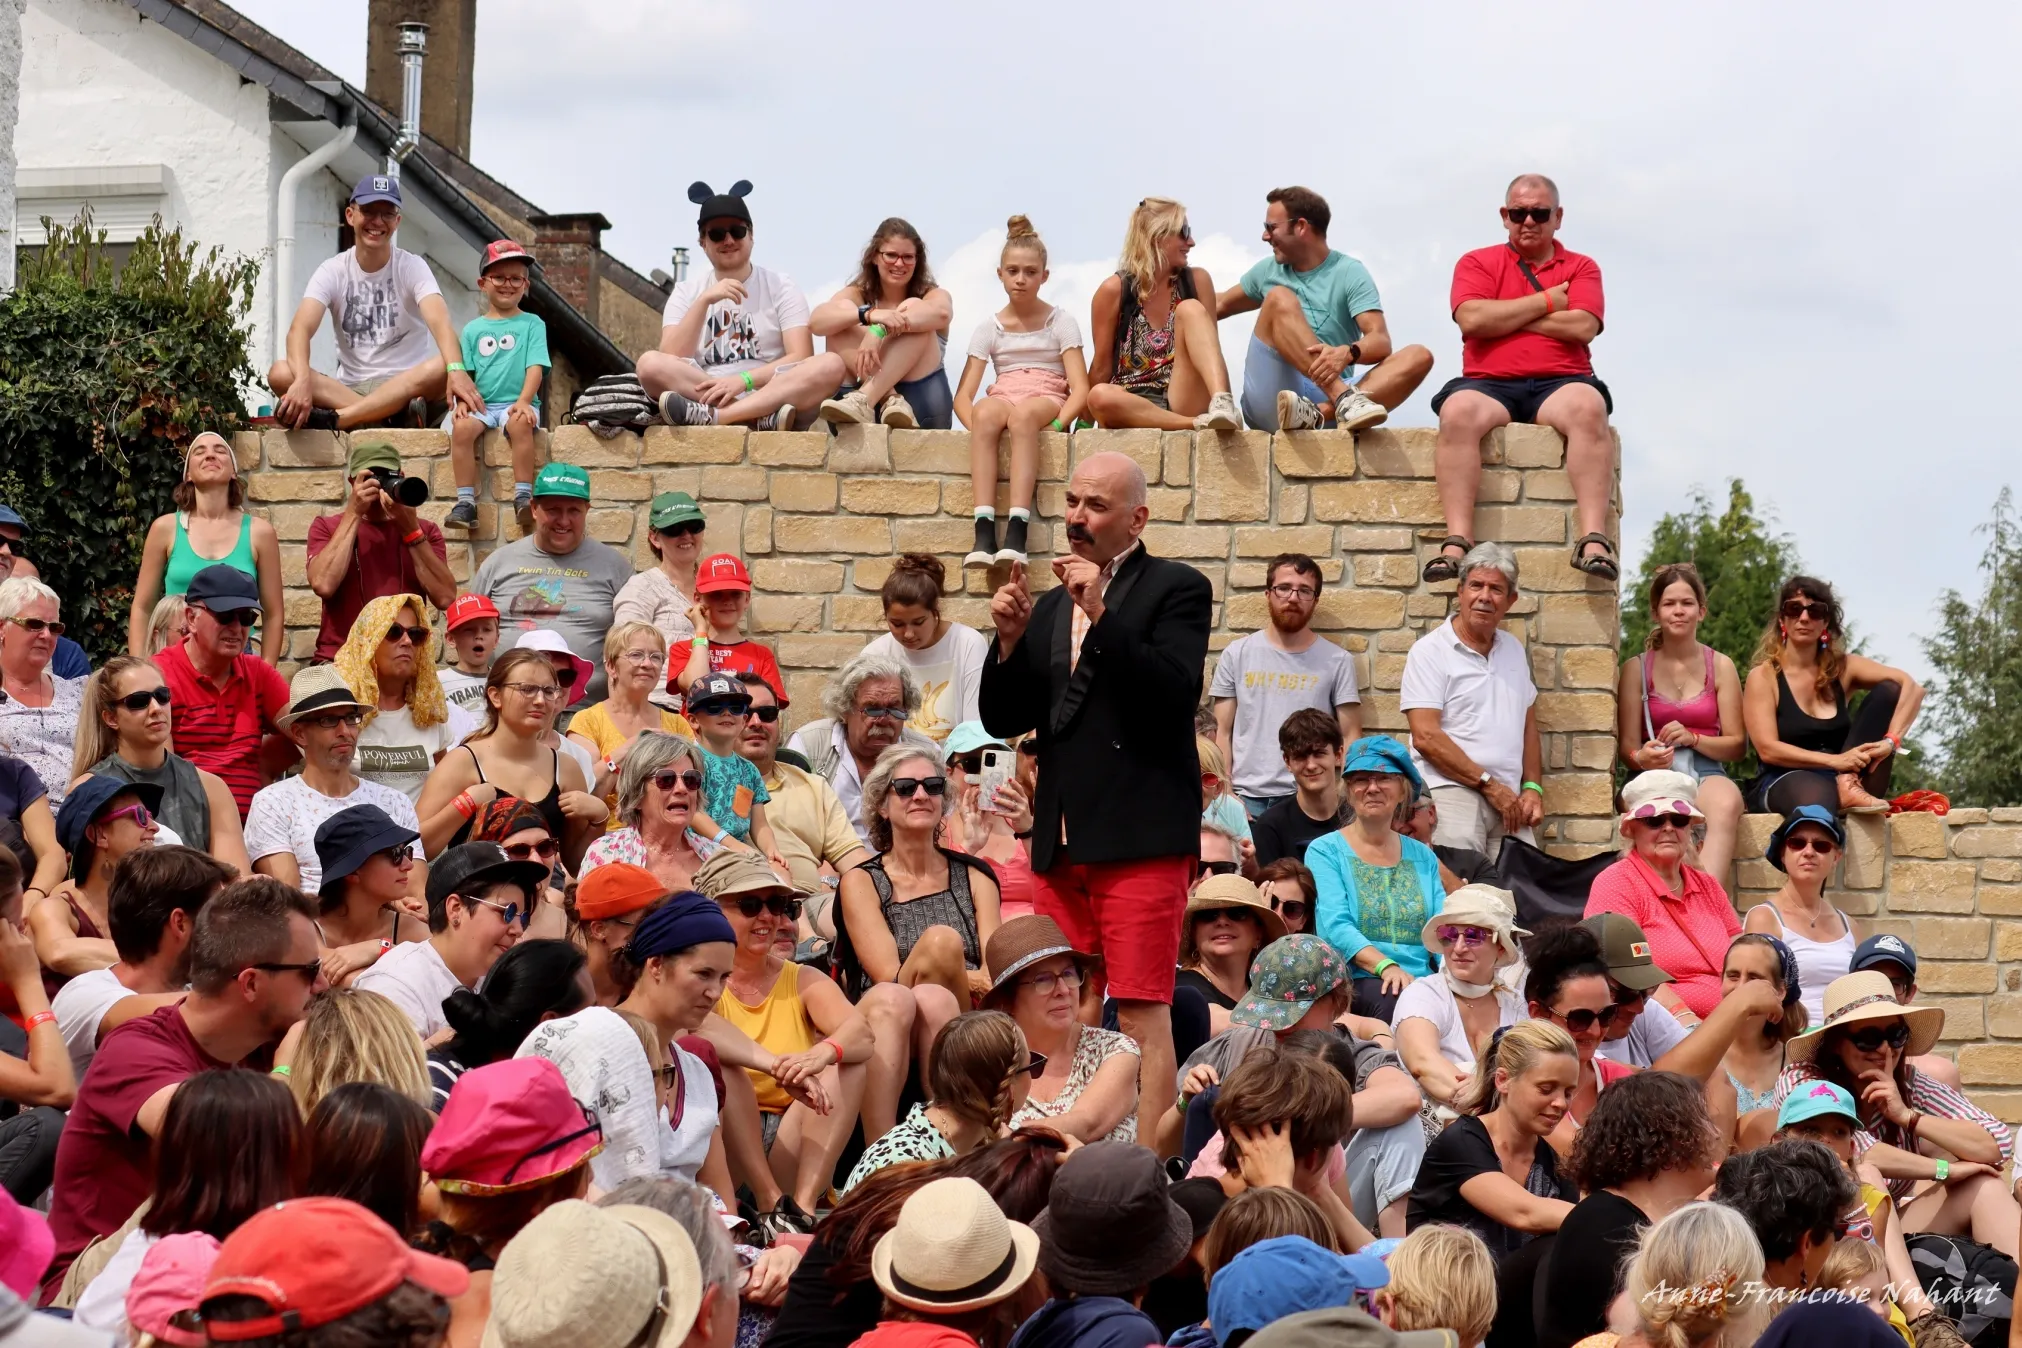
point(970, 1070)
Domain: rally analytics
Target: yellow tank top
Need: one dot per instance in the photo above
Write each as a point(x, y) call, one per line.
point(780, 1023)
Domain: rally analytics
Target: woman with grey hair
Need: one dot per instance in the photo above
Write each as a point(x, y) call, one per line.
point(38, 719)
point(695, 1208)
point(659, 797)
point(917, 914)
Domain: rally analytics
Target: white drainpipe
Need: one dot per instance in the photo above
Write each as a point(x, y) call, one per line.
point(284, 231)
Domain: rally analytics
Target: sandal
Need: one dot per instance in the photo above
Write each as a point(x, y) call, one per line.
point(1443, 567)
point(1600, 564)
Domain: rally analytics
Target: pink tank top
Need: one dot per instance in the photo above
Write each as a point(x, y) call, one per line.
point(1700, 715)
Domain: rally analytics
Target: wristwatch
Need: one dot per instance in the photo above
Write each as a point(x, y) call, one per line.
point(863, 315)
point(1482, 785)
point(1354, 353)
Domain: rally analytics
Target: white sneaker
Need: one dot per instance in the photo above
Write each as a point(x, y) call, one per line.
point(897, 412)
point(851, 408)
point(1220, 416)
point(1296, 413)
point(1356, 411)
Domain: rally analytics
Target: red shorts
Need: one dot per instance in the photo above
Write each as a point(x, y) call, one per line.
point(1125, 912)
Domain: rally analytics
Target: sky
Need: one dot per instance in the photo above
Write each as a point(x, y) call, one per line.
point(1791, 204)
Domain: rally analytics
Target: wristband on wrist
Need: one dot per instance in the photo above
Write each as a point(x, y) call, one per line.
point(722, 835)
point(1055, 423)
point(1548, 299)
point(1532, 786)
point(458, 367)
point(1893, 738)
point(749, 383)
point(1944, 1170)
point(282, 1071)
point(36, 889)
point(700, 643)
point(836, 1048)
point(39, 1018)
point(413, 538)
point(878, 330)
point(1383, 964)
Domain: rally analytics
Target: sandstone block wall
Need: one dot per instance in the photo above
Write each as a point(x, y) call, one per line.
point(818, 518)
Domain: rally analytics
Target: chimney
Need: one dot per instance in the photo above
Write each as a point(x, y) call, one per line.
point(446, 79)
point(570, 249)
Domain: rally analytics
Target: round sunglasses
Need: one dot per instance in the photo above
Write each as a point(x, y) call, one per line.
point(667, 779)
point(417, 635)
point(1582, 1020)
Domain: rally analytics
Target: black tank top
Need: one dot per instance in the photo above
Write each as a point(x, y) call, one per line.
point(1802, 731)
point(550, 805)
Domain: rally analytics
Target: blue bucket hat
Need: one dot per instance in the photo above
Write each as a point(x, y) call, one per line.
point(1381, 753)
point(1803, 814)
point(85, 803)
point(1283, 1276)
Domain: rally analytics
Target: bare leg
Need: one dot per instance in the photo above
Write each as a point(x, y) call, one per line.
point(986, 431)
point(464, 432)
point(323, 390)
point(1577, 412)
point(807, 1146)
point(520, 437)
point(1114, 409)
point(1282, 325)
point(1150, 1024)
point(913, 356)
point(1390, 1221)
point(743, 1141)
point(937, 958)
point(1980, 1207)
point(805, 385)
point(889, 1010)
point(661, 373)
point(1397, 376)
point(1028, 419)
point(1198, 370)
point(1720, 802)
point(1464, 419)
point(935, 1007)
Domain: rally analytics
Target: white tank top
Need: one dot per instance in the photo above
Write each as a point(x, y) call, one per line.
point(1818, 962)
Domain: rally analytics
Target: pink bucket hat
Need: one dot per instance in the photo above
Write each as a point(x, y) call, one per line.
point(509, 1125)
point(26, 1246)
point(170, 1281)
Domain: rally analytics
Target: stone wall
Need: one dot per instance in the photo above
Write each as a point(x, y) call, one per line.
point(1951, 886)
point(819, 519)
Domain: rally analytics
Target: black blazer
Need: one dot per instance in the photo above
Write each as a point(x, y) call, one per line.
point(1116, 735)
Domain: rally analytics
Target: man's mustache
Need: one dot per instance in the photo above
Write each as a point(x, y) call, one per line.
point(1078, 533)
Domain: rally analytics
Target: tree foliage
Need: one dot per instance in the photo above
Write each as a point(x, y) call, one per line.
point(1976, 687)
point(106, 373)
point(1741, 558)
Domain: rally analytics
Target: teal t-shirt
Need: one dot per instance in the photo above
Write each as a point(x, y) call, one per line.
point(730, 787)
point(499, 351)
point(1331, 294)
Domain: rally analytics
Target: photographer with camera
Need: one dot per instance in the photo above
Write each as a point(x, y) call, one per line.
point(375, 546)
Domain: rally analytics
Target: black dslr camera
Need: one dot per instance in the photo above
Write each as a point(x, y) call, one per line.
point(409, 491)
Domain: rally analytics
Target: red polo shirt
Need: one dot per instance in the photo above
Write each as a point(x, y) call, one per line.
point(218, 726)
point(1493, 274)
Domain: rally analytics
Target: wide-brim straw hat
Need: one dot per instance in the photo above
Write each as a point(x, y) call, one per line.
point(1222, 893)
point(1660, 791)
point(953, 1250)
point(1483, 906)
point(1851, 999)
point(577, 1277)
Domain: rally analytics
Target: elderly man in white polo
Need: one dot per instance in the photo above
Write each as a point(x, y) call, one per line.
point(1468, 696)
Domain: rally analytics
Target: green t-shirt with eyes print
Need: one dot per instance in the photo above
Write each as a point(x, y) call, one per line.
point(499, 351)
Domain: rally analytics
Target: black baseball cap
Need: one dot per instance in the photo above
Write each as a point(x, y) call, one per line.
point(714, 205)
point(223, 587)
point(473, 865)
point(1883, 949)
point(347, 839)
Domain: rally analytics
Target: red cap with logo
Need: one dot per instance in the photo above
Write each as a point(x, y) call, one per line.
point(503, 250)
point(314, 1260)
point(466, 608)
point(721, 572)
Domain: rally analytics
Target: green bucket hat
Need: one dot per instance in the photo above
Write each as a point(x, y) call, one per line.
point(373, 454)
point(676, 507)
point(563, 479)
point(1286, 978)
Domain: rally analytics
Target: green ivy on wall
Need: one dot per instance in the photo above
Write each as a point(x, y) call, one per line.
point(107, 371)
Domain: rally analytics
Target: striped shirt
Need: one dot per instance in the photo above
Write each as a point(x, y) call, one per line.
point(218, 726)
point(1925, 1095)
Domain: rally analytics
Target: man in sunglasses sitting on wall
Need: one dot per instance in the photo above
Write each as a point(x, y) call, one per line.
point(225, 696)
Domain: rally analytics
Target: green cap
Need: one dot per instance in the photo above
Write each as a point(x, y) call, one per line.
point(676, 507)
point(1286, 978)
point(563, 479)
point(373, 454)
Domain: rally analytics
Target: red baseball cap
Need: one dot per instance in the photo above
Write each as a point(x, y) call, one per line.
point(469, 608)
point(503, 250)
point(721, 572)
point(314, 1260)
point(617, 888)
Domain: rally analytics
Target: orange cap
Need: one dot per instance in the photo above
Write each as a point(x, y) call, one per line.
point(615, 889)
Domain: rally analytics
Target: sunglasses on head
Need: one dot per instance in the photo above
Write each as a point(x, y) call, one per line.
point(55, 629)
point(718, 233)
point(668, 778)
point(546, 849)
point(417, 635)
point(234, 617)
point(908, 786)
point(721, 707)
point(1896, 1036)
point(1582, 1020)
point(138, 701)
point(751, 905)
point(1799, 608)
point(1537, 215)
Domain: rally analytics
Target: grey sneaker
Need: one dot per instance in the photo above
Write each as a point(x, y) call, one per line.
point(1296, 413)
point(1357, 411)
point(523, 514)
point(851, 408)
point(1222, 415)
point(778, 419)
point(676, 410)
point(896, 411)
point(462, 515)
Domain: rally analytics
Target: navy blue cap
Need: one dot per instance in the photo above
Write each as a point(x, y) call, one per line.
point(347, 839)
point(376, 187)
point(222, 587)
point(1879, 949)
point(475, 865)
point(86, 801)
point(684, 920)
point(1804, 814)
point(7, 516)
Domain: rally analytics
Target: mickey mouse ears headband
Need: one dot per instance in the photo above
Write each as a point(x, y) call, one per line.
point(721, 205)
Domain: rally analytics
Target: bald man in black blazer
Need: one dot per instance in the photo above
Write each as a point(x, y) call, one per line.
point(1105, 669)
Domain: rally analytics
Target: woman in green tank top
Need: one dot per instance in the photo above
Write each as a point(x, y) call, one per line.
point(209, 526)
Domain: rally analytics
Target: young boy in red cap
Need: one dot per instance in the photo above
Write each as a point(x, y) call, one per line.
point(506, 349)
point(473, 634)
point(722, 594)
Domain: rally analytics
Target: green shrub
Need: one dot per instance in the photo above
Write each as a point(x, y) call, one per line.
point(107, 372)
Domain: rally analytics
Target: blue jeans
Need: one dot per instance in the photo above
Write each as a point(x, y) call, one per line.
point(1264, 374)
point(933, 402)
point(1256, 805)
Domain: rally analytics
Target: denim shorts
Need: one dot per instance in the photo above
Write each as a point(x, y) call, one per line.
point(493, 416)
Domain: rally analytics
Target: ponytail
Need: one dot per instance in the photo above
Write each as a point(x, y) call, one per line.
point(531, 982)
point(1515, 1050)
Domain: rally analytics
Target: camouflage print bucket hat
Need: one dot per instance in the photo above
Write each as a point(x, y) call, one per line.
point(1286, 978)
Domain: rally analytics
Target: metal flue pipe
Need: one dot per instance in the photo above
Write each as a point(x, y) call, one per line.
point(413, 48)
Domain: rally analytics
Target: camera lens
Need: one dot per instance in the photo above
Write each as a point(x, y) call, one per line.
point(411, 491)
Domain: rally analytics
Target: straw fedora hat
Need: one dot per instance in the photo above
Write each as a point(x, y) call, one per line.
point(953, 1250)
point(580, 1276)
point(1864, 996)
point(1483, 906)
point(1220, 893)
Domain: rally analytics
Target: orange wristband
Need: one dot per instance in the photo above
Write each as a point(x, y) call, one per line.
point(1548, 299)
point(49, 1018)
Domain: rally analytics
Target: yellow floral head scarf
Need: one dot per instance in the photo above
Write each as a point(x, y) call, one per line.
point(354, 659)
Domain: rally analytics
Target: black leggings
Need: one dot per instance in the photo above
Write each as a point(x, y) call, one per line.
point(1819, 786)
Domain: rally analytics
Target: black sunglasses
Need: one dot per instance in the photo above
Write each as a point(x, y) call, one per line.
point(718, 233)
point(1797, 608)
point(566, 676)
point(1897, 1036)
point(1582, 1020)
point(720, 707)
point(330, 720)
point(1537, 215)
point(397, 855)
point(1825, 847)
point(765, 714)
point(309, 969)
point(1626, 997)
point(667, 779)
point(1221, 867)
point(417, 635)
point(909, 786)
point(546, 849)
point(677, 530)
point(751, 905)
point(1035, 1067)
point(971, 763)
point(138, 701)
point(235, 617)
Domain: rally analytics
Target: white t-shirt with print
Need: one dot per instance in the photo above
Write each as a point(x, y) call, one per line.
point(80, 1005)
point(413, 977)
point(376, 314)
point(1041, 349)
point(394, 751)
point(743, 336)
point(463, 690)
point(950, 676)
point(284, 818)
